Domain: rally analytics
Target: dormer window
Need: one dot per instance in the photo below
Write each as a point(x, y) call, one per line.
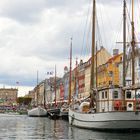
point(128, 95)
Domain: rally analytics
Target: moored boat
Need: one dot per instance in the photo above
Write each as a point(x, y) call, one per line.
point(64, 111)
point(53, 113)
point(105, 120)
point(113, 107)
point(37, 112)
point(109, 114)
point(65, 107)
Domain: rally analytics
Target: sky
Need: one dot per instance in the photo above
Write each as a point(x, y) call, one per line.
point(35, 36)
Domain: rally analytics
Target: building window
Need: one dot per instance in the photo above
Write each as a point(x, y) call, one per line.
point(120, 59)
point(110, 82)
point(139, 73)
point(102, 95)
point(115, 94)
point(105, 94)
point(139, 62)
point(128, 94)
point(116, 64)
point(110, 73)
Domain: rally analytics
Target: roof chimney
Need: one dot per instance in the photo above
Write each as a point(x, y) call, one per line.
point(115, 52)
point(81, 62)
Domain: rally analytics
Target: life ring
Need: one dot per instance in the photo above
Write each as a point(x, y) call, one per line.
point(117, 104)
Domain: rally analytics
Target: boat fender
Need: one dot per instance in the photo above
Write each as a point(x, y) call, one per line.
point(72, 119)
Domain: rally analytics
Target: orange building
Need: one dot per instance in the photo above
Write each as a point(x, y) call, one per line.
point(108, 73)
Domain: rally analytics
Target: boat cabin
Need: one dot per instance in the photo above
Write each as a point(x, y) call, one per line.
point(113, 99)
point(132, 100)
point(109, 99)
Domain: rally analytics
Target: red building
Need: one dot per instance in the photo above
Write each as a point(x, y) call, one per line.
point(61, 91)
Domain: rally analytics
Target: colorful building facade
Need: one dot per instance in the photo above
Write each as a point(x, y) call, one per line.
point(108, 73)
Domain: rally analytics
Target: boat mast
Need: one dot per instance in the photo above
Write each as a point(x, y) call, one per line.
point(133, 46)
point(75, 84)
point(92, 83)
point(45, 93)
point(93, 47)
point(96, 66)
point(55, 86)
point(37, 88)
point(70, 72)
point(124, 44)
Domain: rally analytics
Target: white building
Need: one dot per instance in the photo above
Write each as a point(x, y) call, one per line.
point(129, 70)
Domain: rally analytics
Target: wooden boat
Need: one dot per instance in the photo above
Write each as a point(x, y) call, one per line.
point(38, 111)
point(65, 107)
point(109, 108)
point(54, 113)
point(64, 111)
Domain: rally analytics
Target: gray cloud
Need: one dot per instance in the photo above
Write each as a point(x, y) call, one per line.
point(45, 38)
point(22, 10)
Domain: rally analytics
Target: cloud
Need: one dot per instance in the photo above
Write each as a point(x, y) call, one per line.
point(35, 35)
point(23, 10)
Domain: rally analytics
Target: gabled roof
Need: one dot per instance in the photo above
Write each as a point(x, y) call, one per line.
point(102, 56)
point(114, 57)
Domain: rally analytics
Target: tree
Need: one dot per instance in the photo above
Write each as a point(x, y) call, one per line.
point(24, 100)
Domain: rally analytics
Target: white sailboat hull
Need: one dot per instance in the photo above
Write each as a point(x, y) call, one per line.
point(37, 112)
point(106, 120)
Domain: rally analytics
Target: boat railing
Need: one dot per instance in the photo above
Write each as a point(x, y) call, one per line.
point(114, 105)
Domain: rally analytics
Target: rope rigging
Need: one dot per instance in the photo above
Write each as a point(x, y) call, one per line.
point(102, 35)
point(85, 28)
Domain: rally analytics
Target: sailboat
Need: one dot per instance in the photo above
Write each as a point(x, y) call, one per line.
point(54, 113)
point(100, 112)
point(38, 111)
point(65, 107)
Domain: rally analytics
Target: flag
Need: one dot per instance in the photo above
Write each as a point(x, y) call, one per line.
point(50, 73)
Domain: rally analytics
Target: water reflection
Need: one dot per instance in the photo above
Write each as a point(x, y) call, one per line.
point(60, 129)
point(83, 134)
point(27, 128)
point(24, 127)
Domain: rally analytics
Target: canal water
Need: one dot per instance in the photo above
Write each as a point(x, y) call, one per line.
point(22, 127)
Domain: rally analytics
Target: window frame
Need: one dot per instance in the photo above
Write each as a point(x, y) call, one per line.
point(115, 96)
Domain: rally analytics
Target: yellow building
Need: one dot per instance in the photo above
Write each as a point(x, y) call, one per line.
point(8, 96)
point(102, 57)
point(87, 78)
point(40, 93)
point(108, 73)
